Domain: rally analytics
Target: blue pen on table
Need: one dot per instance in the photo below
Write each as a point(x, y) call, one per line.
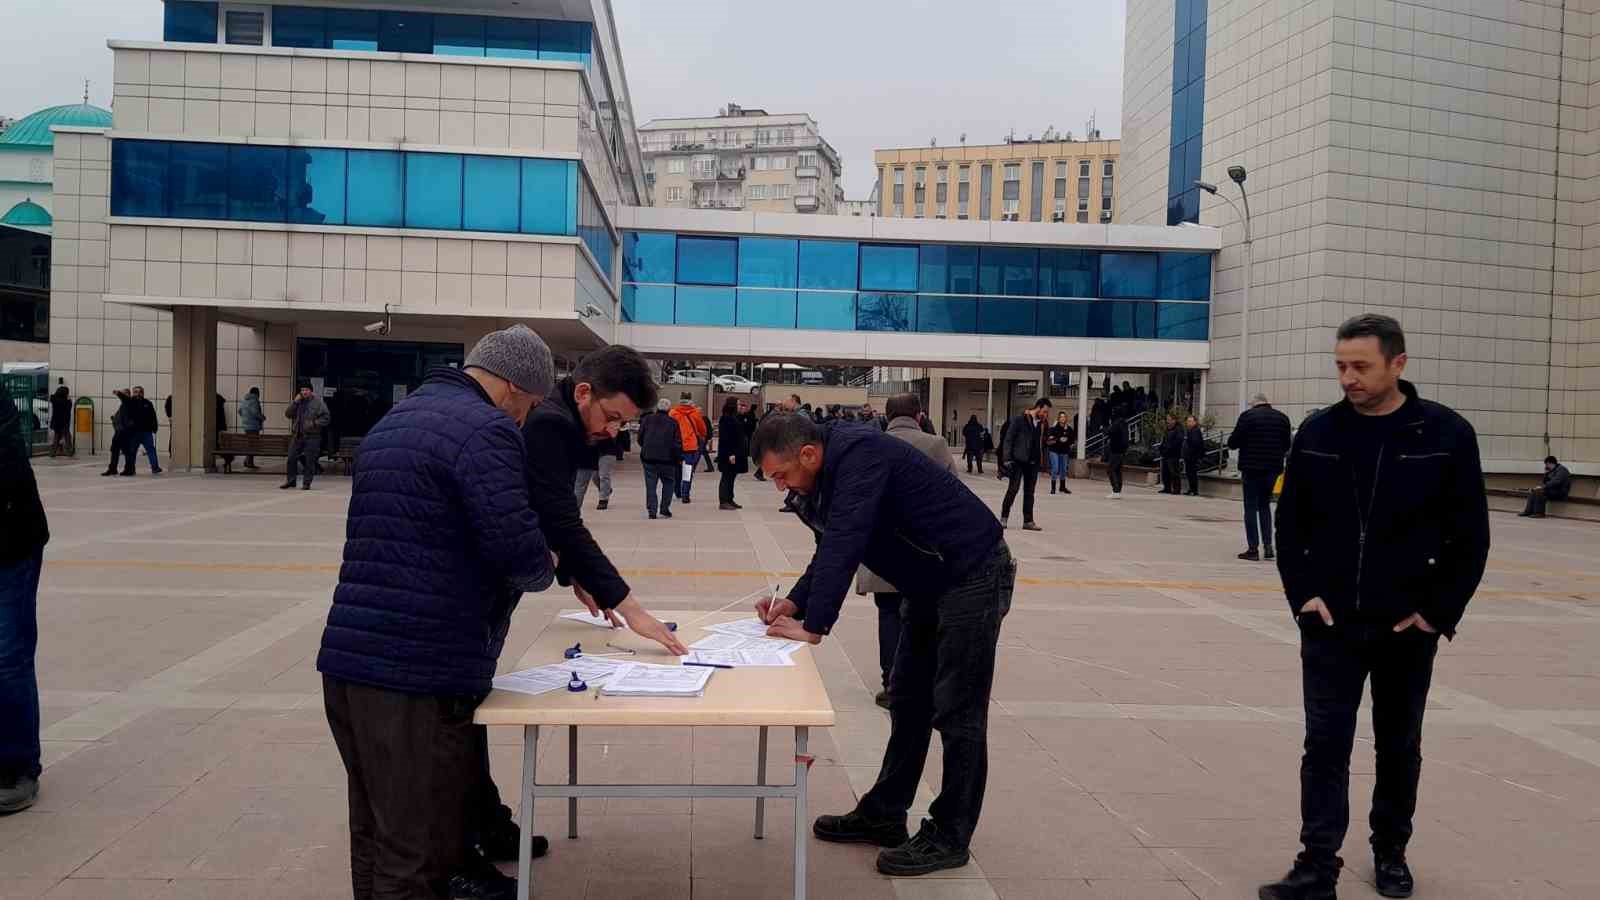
point(705, 665)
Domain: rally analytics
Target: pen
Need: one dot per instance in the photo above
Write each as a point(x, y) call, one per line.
point(709, 665)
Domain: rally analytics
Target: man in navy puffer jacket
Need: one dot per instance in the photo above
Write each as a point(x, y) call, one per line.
point(440, 543)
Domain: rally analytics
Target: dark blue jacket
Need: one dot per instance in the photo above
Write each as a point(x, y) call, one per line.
point(440, 544)
point(882, 502)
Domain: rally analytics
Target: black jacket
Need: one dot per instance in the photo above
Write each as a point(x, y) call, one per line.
point(973, 434)
point(880, 501)
point(1194, 444)
point(732, 441)
point(1422, 545)
point(60, 409)
point(1557, 483)
point(24, 531)
point(1021, 441)
point(1172, 443)
point(659, 439)
point(1117, 435)
point(141, 414)
point(1061, 439)
point(556, 445)
point(1262, 438)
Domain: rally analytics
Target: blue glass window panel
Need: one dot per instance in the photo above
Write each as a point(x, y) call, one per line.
point(139, 178)
point(947, 315)
point(933, 269)
point(1006, 316)
point(548, 204)
point(405, 32)
point(190, 23)
point(963, 269)
point(1180, 61)
point(650, 256)
point(829, 265)
point(703, 260)
point(768, 262)
point(1181, 22)
point(352, 29)
point(888, 267)
point(1069, 273)
point(511, 38)
point(1197, 107)
point(885, 312)
point(491, 193)
point(1197, 13)
point(299, 26)
point(1185, 276)
point(1131, 275)
point(564, 41)
point(1121, 319)
point(1191, 162)
point(1191, 205)
point(766, 309)
point(316, 186)
point(1197, 55)
point(458, 35)
point(1062, 318)
point(705, 305)
point(1182, 321)
point(1180, 116)
point(1174, 210)
point(1175, 171)
point(1008, 270)
point(433, 190)
point(826, 310)
point(375, 193)
point(650, 303)
point(257, 180)
point(197, 185)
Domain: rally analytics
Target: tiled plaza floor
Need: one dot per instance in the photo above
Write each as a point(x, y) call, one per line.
point(1144, 737)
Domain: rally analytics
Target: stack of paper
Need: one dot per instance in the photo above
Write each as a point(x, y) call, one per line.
point(554, 677)
point(733, 650)
point(741, 628)
point(640, 680)
point(582, 615)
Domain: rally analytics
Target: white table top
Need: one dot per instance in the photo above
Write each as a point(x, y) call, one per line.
point(776, 696)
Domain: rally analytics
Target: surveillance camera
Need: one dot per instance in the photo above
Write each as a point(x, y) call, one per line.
point(378, 328)
point(593, 310)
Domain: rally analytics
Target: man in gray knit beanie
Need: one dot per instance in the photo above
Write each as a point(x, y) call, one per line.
point(514, 367)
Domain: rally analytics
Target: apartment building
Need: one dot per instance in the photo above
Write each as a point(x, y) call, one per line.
point(741, 159)
point(1020, 180)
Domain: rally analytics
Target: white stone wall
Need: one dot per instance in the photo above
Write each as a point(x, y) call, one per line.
point(1141, 188)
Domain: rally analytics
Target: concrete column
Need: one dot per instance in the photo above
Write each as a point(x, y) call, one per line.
point(1201, 411)
point(194, 387)
point(988, 411)
point(1080, 463)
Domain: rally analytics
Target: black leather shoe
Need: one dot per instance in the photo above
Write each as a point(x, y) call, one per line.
point(1393, 875)
point(603, 504)
point(854, 828)
point(484, 882)
point(924, 853)
point(17, 793)
point(665, 514)
point(498, 842)
point(286, 486)
point(1268, 554)
point(1250, 555)
point(1302, 883)
point(882, 699)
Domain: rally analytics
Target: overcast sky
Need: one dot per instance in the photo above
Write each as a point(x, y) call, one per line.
point(873, 74)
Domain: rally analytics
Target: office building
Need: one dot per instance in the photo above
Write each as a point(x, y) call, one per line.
point(1020, 180)
point(741, 158)
point(1433, 162)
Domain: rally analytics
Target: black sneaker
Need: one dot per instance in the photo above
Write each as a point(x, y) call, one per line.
point(1393, 876)
point(652, 515)
point(128, 474)
point(729, 507)
point(17, 793)
point(498, 843)
point(1250, 555)
point(923, 854)
point(854, 828)
point(665, 514)
point(683, 499)
point(1302, 883)
point(483, 882)
point(1029, 526)
point(286, 486)
point(1268, 554)
point(603, 504)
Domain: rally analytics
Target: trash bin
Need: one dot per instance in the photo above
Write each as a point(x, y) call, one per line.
point(83, 422)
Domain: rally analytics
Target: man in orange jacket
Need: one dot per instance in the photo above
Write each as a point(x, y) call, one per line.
point(694, 434)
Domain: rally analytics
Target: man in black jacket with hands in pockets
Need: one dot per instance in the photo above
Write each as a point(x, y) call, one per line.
point(1383, 532)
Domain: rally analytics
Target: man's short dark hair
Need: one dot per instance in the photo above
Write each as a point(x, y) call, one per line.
point(903, 405)
point(1043, 403)
point(1551, 461)
point(618, 369)
point(783, 434)
point(796, 399)
point(1391, 339)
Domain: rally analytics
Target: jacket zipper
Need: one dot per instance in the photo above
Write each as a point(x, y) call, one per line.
point(1364, 518)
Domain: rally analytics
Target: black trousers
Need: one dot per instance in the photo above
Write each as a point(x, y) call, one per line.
point(1192, 468)
point(725, 487)
point(414, 763)
point(1027, 478)
point(666, 475)
point(123, 445)
point(941, 680)
point(1258, 507)
point(975, 456)
point(303, 450)
point(1335, 664)
point(1171, 476)
point(1114, 471)
point(888, 631)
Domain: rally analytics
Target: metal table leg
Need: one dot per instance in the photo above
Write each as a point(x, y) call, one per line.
point(802, 766)
point(572, 778)
point(761, 778)
point(530, 765)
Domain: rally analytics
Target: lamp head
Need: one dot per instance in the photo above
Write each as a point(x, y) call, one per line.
point(1206, 186)
point(1237, 173)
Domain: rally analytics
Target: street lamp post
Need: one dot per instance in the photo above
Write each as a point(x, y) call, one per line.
point(1237, 173)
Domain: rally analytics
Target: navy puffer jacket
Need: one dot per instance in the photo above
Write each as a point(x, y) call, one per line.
point(439, 546)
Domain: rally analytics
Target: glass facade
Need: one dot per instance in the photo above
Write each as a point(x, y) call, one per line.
point(769, 282)
point(1188, 111)
point(379, 188)
point(398, 32)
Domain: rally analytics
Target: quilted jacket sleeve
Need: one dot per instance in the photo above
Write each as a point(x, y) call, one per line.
point(494, 490)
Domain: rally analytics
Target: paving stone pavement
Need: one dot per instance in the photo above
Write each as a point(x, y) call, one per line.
point(1145, 731)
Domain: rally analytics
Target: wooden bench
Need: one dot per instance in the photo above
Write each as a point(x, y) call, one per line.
point(1574, 507)
point(236, 443)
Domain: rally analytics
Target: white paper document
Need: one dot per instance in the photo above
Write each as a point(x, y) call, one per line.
point(739, 658)
point(554, 677)
point(742, 628)
point(635, 680)
point(582, 615)
point(718, 641)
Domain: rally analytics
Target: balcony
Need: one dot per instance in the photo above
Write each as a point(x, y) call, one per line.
point(808, 172)
point(805, 202)
point(699, 176)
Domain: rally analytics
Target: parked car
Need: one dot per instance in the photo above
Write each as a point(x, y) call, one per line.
point(689, 376)
point(735, 384)
point(811, 376)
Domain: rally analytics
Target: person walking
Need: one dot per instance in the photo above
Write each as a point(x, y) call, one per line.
point(1383, 526)
point(733, 450)
point(1116, 450)
point(120, 435)
point(1194, 453)
point(307, 415)
point(1172, 457)
point(872, 499)
point(905, 416)
point(1022, 454)
point(61, 422)
point(1556, 485)
point(222, 426)
point(1058, 440)
point(694, 435)
point(251, 419)
point(22, 542)
point(600, 464)
point(1262, 437)
point(972, 433)
point(661, 454)
point(140, 416)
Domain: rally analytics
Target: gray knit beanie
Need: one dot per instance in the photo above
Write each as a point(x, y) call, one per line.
point(517, 355)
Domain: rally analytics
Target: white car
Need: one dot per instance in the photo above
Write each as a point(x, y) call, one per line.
point(689, 376)
point(735, 384)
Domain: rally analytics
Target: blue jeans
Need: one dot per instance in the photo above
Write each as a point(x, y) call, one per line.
point(1258, 507)
point(19, 685)
point(1058, 466)
point(147, 439)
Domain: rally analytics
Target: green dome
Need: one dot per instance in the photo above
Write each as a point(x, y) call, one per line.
point(27, 214)
point(34, 130)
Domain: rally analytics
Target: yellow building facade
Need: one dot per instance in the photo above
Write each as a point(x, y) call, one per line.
point(1019, 181)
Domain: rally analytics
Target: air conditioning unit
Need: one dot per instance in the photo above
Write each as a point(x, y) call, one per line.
point(1059, 217)
point(1008, 217)
point(1105, 215)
